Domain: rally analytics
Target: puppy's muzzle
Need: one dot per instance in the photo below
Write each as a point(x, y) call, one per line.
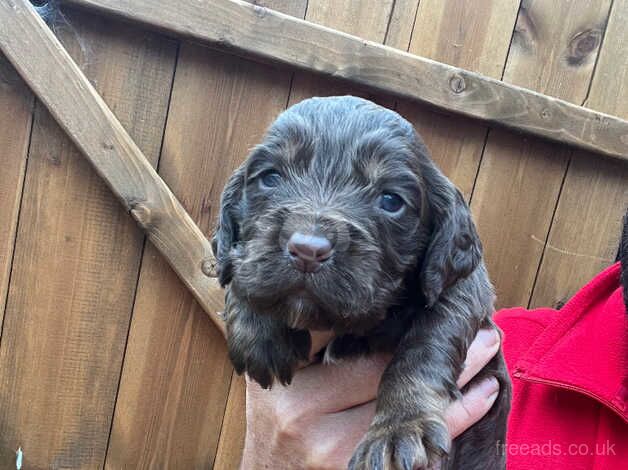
point(307, 252)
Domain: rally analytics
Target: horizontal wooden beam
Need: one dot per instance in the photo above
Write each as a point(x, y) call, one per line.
point(62, 87)
point(251, 30)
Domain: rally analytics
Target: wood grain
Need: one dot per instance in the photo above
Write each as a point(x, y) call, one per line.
point(520, 178)
point(77, 252)
point(401, 24)
point(359, 18)
point(16, 102)
point(586, 227)
point(464, 34)
point(220, 108)
point(84, 116)
point(268, 35)
point(234, 427)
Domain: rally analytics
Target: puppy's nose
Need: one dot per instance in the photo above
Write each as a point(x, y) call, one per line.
point(308, 251)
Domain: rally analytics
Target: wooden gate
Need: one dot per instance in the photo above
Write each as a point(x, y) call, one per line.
point(107, 359)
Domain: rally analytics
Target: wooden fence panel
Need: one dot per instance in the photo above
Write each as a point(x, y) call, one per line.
point(220, 107)
point(549, 216)
point(382, 24)
point(586, 226)
point(16, 103)
point(553, 51)
point(473, 35)
point(233, 428)
point(76, 262)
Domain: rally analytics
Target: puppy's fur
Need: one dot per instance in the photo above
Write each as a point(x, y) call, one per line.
point(622, 256)
point(411, 282)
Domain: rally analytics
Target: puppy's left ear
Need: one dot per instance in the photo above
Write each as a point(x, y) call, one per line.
point(454, 250)
point(227, 231)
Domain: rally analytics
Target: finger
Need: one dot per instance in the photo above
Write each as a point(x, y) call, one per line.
point(480, 352)
point(473, 405)
point(335, 387)
point(336, 435)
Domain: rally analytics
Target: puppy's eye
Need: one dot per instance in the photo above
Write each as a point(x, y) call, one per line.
point(391, 202)
point(270, 179)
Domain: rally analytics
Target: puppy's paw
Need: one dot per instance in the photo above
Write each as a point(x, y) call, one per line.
point(265, 359)
point(402, 446)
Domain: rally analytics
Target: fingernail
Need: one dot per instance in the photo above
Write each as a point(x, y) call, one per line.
point(489, 387)
point(489, 338)
point(491, 399)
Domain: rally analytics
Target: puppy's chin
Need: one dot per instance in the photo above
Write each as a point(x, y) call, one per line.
point(301, 311)
point(312, 301)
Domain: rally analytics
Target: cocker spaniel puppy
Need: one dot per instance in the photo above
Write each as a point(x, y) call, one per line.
point(339, 220)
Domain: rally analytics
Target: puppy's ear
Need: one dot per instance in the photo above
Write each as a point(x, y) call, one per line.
point(454, 250)
point(227, 231)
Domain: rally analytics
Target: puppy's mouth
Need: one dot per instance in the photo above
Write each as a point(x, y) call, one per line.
point(299, 306)
point(309, 284)
point(306, 266)
point(303, 296)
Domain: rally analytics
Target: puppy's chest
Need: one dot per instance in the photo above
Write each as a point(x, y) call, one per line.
point(384, 337)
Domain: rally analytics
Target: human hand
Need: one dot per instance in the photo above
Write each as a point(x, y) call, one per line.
point(317, 421)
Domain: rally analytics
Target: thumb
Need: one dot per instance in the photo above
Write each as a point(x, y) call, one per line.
point(472, 406)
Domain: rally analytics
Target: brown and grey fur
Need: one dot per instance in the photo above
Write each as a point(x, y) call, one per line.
point(622, 257)
point(413, 283)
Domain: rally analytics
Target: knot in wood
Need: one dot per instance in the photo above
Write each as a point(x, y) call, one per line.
point(582, 45)
point(457, 83)
point(142, 213)
point(209, 267)
point(546, 113)
point(259, 10)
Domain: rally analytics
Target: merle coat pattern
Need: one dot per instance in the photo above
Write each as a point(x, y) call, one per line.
point(410, 280)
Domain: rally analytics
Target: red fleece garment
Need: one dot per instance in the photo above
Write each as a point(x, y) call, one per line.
point(570, 381)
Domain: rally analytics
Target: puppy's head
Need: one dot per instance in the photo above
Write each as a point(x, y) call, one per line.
point(336, 214)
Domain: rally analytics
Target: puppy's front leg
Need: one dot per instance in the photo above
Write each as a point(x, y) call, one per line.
point(261, 345)
point(409, 430)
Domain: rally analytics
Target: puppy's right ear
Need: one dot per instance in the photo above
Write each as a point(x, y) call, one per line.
point(227, 231)
point(454, 249)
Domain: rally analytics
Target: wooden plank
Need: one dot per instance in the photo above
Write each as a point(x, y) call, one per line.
point(72, 100)
point(16, 102)
point(77, 252)
point(401, 24)
point(461, 33)
point(586, 226)
point(554, 51)
point(219, 109)
point(234, 427)
point(357, 17)
point(471, 35)
point(268, 35)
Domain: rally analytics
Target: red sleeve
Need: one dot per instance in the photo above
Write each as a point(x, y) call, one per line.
point(520, 327)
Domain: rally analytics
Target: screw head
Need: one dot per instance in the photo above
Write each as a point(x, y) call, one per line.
point(210, 267)
point(457, 83)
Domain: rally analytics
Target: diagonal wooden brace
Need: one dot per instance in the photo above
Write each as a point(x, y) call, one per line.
point(62, 87)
